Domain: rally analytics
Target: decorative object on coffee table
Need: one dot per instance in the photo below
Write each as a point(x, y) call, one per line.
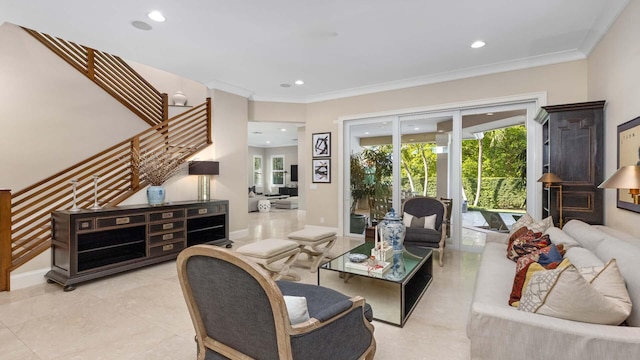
point(392, 231)
point(156, 168)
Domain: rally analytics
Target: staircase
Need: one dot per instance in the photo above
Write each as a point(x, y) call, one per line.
point(113, 75)
point(25, 229)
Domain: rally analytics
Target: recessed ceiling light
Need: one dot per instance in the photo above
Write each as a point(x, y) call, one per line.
point(141, 25)
point(478, 44)
point(156, 15)
point(283, 129)
point(366, 133)
point(416, 128)
point(299, 82)
point(285, 85)
point(268, 142)
point(489, 113)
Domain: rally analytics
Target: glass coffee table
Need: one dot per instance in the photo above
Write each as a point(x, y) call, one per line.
point(392, 300)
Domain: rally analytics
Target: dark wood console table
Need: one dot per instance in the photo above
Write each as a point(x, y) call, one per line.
point(90, 244)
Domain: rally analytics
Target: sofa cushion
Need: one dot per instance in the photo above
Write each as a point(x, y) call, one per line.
point(559, 237)
point(588, 236)
point(564, 293)
point(581, 257)
point(422, 235)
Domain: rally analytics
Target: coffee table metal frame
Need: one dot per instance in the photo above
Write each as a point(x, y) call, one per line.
point(392, 301)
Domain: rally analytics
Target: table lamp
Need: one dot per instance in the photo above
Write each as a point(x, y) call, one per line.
point(204, 169)
point(627, 177)
point(548, 179)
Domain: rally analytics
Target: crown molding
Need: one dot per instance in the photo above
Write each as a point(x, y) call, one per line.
point(219, 85)
point(495, 68)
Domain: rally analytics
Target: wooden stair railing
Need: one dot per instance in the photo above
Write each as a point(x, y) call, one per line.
point(113, 75)
point(25, 229)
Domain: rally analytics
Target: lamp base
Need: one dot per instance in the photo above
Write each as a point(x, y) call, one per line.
point(204, 188)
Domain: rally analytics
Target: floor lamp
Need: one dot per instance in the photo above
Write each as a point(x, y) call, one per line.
point(627, 177)
point(204, 169)
point(548, 179)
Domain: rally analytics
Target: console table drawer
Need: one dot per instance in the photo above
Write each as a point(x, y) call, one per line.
point(160, 238)
point(164, 227)
point(215, 209)
point(121, 220)
point(175, 214)
point(166, 248)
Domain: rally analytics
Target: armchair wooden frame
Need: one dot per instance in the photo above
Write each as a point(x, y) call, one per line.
point(284, 330)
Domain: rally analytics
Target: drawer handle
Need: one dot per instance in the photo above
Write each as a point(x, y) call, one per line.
point(167, 226)
point(122, 221)
point(167, 247)
point(202, 211)
point(85, 225)
point(168, 215)
point(167, 236)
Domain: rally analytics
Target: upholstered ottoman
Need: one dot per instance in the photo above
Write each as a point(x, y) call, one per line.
point(289, 203)
point(266, 252)
point(316, 243)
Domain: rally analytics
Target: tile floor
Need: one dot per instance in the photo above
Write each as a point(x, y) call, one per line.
point(141, 314)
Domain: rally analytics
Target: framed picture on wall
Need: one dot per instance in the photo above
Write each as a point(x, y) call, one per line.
point(321, 171)
point(321, 143)
point(628, 154)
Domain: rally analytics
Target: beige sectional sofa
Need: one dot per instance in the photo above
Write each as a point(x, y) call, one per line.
point(499, 331)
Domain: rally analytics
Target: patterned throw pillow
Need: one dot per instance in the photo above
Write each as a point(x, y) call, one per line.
point(564, 293)
point(530, 223)
point(526, 266)
point(526, 243)
point(426, 222)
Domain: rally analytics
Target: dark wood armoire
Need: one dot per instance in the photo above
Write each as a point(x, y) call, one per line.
point(573, 149)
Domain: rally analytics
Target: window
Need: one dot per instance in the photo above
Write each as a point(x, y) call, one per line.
point(277, 170)
point(257, 170)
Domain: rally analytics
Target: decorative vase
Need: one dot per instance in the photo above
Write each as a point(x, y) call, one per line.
point(155, 195)
point(179, 98)
point(392, 231)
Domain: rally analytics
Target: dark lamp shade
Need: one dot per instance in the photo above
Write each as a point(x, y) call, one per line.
point(204, 168)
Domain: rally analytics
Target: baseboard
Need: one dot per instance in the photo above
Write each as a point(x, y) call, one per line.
point(29, 278)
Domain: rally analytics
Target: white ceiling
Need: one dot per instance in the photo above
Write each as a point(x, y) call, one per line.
point(339, 48)
point(272, 134)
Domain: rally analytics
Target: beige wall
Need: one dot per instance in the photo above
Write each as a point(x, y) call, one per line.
point(51, 115)
point(614, 76)
point(230, 118)
point(564, 83)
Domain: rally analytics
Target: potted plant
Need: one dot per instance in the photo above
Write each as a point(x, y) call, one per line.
point(359, 190)
point(156, 168)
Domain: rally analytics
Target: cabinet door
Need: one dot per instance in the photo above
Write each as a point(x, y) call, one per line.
point(576, 145)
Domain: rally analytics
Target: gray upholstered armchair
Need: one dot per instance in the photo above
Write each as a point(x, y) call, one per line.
point(417, 234)
point(238, 311)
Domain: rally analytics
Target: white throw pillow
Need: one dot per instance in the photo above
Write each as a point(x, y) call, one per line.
point(297, 309)
point(430, 221)
point(528, 221)
point(406, 219)
point(566, 294)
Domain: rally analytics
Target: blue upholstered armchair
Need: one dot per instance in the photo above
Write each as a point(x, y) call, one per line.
point(238, 311)
point(433, 234)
